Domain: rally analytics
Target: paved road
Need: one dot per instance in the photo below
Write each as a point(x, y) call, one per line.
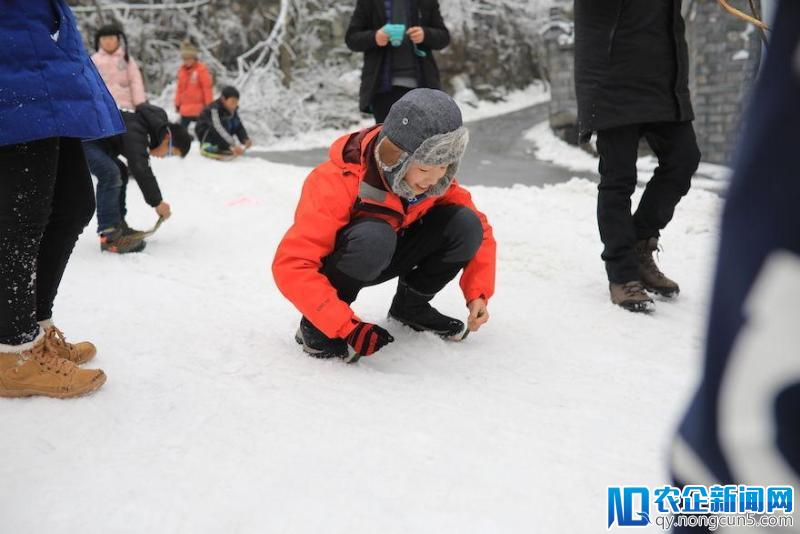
point(497, 154)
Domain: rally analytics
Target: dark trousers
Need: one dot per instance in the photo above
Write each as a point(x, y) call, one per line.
point(186, 121)
point(426, 255)
point(675, 146)
point(46, 200)
point(382, 102)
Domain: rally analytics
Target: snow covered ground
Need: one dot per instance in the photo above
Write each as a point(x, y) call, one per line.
point(548, 147)
point(213, 420)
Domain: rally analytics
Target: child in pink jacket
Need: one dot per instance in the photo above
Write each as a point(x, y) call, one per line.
point(117, 68)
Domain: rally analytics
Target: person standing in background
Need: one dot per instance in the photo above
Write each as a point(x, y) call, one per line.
point(397, 38)
point(51, 97)
point(631, 80)
point(119, 70)
point(195, 85)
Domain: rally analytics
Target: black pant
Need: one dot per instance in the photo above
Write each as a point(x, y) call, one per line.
point(426, 255)
point(675, 146)
point(46, 200)
point(186, 121)
point(382, 102)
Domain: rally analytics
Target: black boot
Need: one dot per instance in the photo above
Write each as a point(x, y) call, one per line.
point(317, 344)
point(413, 309)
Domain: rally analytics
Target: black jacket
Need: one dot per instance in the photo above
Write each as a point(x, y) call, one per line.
point(217, 125)
point(631, 63)
point(146, 129)
point(368, 17)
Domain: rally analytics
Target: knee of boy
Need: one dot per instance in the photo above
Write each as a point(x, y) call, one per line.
point(369, 249)
point(466, 232)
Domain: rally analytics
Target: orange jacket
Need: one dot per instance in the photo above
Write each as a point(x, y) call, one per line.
point(195, 89)
point(343, 188)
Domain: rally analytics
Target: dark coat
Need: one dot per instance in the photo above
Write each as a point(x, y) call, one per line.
point(217, 125)
point(370, 16)
point(631, 63)
point(146, 129)
point(48, 85)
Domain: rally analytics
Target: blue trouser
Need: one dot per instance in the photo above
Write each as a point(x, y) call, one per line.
point(110, 185)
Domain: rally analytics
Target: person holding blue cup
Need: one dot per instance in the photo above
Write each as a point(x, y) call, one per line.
point(397, 38)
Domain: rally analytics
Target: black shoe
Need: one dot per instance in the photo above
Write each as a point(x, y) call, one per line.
point(413, 310)
point(127, 230)
point(317, 344)
point(116, 241)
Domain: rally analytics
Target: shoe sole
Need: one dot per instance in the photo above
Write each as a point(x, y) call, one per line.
point(322, 355)
point(115, 250)
point(91, 387)
point(448, 335)
point(669, 294)
point(638, 307)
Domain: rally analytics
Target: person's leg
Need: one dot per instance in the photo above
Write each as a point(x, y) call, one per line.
point(27, 180)
point(186, 121)
point(675, 146)
point(123, 191)
point(618, 148)
point(382, 102)
point(109, 186)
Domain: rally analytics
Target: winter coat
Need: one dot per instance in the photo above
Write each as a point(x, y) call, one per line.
point(123, 78)
point(195, 89)
point(48, 85)
point(346, 187)
point(370, 16)
point(146, 129)
point(631, 63)
point(217, 125)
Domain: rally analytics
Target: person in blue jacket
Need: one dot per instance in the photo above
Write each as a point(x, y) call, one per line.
point(51, 98)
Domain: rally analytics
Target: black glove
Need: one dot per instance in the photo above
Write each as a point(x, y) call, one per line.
point(368, 338)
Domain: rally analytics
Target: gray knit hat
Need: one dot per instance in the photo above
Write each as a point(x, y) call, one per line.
point(426, 124)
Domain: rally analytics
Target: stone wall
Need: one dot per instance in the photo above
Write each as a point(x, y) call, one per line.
point(724, 54)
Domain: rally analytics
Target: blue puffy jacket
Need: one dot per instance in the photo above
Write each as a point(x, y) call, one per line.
point(48, 85)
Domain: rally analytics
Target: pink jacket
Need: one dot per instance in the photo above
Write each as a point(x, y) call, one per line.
point(124, 80)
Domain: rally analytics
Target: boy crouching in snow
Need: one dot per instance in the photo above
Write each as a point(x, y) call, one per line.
point(387, 205)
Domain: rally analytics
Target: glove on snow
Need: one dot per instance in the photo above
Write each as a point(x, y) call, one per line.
point(368, 338)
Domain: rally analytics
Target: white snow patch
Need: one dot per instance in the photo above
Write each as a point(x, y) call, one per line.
point(213, 420)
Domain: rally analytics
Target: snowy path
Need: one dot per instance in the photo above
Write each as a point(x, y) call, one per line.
point(213, 421)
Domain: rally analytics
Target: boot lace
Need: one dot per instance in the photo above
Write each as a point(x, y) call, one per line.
point(50, 362)
point(647, 261)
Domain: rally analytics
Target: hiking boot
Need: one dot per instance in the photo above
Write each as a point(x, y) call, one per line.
point(631, 296)
point(39, 371)
point(413, 309)
point(317, 344)
point(128, 231)
point(78, 353)
point(652, 277)
point(116, 241)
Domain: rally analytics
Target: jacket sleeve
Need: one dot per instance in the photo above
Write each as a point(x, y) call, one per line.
point(216, 123)
point(207, 84)
point(179, 90)
point(134, 148)
point(360, 35)
point(241, 133)
point(479, 274)
point(137, 83)
point(437, 36)
point(324, 208)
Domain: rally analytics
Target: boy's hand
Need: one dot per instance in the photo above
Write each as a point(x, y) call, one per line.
point(368, 338)
point(381, 38)
point(164, 211)
point(237, 150)
point(478, 314)
point(248, 143)
point(416, 34)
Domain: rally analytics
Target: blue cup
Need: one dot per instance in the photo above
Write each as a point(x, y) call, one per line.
point(396, 32)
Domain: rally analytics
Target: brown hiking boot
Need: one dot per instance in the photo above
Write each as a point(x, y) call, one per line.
point(38, 371)
point(119, 242)
point(631, 296)
point(78, 353)
point(652, 277)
